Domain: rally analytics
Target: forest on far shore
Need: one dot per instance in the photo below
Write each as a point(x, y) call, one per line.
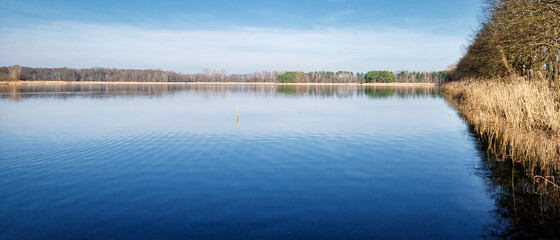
point(21, 73)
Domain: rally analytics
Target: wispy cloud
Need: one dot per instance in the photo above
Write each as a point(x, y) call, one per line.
point(237, 49)
point(336, 16)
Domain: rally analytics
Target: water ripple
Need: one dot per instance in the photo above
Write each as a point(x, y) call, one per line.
point(163, 178)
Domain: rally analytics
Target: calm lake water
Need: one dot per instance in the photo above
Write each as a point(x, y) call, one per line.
point(306, 162)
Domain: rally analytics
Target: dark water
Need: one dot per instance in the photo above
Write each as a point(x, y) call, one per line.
point(167, 162)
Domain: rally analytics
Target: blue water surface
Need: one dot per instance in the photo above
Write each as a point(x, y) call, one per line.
point(175, 162)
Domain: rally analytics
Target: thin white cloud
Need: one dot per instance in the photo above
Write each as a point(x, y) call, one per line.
point(337, 16)
point(237, 50)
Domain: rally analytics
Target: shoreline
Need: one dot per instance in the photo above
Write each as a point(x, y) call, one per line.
point(393, 84)
point(518, 120)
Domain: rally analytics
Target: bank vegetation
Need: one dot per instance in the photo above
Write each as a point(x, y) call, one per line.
point(518, 120)
point(507, 84)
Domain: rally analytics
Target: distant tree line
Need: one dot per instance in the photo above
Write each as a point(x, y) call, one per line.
point(127, 75)
point(13, 73)
point(334, 77)
point(427, 77)
point(517, 37)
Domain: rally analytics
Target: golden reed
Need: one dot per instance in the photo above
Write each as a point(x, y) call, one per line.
point(519, 119)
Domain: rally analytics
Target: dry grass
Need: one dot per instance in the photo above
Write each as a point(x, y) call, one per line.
point(518, 119)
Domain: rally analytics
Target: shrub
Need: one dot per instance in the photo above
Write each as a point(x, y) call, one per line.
point(292, 77)
point(379, 77)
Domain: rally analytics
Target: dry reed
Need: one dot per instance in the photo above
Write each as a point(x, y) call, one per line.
point(519, 119)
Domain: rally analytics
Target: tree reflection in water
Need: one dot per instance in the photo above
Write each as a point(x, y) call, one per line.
point(525, 207)
point(100, 91)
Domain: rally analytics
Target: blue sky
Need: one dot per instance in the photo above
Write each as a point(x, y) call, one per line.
point(238, 36)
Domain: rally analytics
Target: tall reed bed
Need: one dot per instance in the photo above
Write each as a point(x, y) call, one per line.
point(519, 119)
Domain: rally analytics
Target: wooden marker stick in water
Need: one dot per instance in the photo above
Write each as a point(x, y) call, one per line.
point(237, 125)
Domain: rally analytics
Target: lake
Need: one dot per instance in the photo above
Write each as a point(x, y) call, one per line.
point(300, 162)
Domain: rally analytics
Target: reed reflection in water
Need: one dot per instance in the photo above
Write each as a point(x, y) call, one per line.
point(525, 207)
